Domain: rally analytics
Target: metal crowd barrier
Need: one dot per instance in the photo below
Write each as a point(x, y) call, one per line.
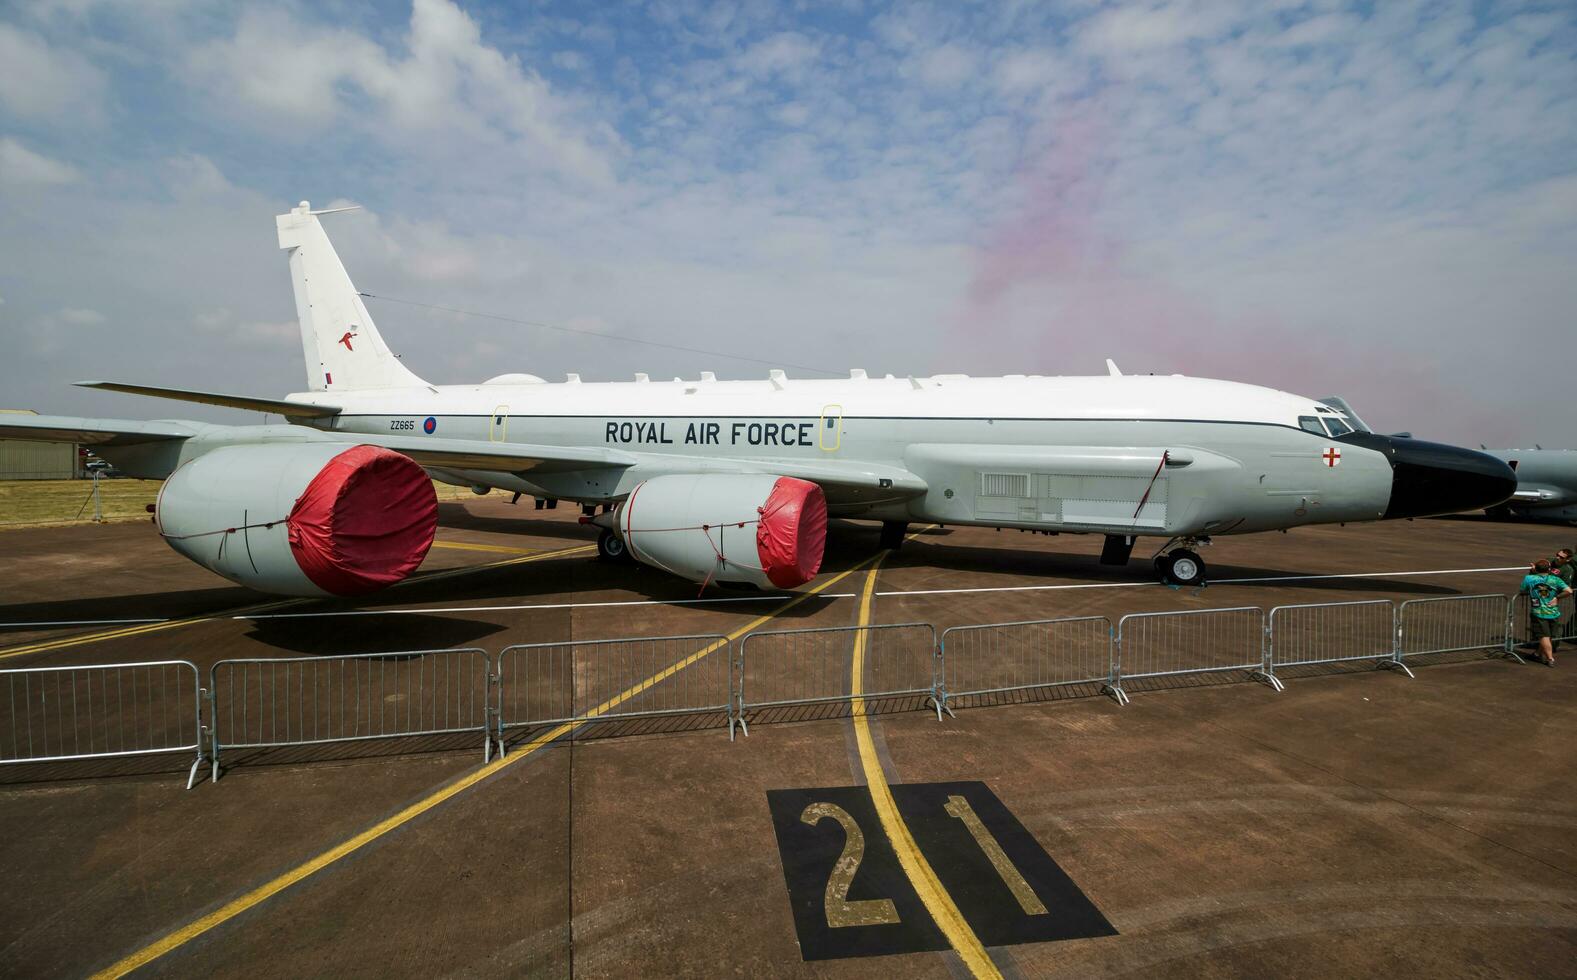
point(1196, 641)
point(276, 702)
point(607, 680)
point(1517, 627)
point(777, 668)
point(1333, 632)
point(997, 658)
point(101, 711)
point(1453, 623)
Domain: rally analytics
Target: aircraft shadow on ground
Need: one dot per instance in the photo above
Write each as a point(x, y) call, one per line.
point(144, 605)
point(368, 634)
point(455, 517)
point(574, 576)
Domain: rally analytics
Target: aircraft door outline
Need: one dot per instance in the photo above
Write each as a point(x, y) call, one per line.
point(498, 425)
point(830, 428)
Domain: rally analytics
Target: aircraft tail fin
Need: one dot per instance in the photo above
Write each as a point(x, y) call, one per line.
point(343, 348)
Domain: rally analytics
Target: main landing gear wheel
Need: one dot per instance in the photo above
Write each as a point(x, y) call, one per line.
point(1181, 567)
point(610, 547)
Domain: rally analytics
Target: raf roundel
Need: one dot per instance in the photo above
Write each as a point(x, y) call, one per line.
point(430, 425)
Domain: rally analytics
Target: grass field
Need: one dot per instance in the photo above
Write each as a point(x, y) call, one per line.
point(34, 502)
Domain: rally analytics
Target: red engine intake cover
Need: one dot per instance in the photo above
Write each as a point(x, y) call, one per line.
point(364, 522)
point(792, 533)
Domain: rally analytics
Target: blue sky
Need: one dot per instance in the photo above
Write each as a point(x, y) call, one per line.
point(1376, 200)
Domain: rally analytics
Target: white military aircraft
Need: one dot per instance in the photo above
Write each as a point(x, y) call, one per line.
point(1546, 484)
point(733, 481)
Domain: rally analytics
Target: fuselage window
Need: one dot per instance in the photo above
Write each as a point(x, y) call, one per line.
point(1310, 423)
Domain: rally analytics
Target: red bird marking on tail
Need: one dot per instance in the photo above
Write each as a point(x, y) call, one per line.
point(346, 340)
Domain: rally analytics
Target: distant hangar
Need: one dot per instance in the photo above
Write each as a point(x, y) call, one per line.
point(37, 460)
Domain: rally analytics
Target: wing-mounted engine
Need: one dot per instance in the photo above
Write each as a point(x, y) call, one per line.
point(764, 530)
point(301, 519)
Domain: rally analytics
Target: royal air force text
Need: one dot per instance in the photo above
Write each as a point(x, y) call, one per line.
point(711, 433)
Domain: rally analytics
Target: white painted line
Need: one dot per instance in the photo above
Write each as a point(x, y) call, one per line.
point(1025, 588)
point(1221, 581)
point(1439, 571)
point(547, 605)
point(83, 622)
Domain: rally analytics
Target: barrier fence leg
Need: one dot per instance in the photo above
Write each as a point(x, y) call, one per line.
point(202, 733)
point(736, 699)
point(1114, 676)
point(492, 714)
point(213, 714)
point(1267, 671)
point(1394, 661)
point(939, 684)
point(1510, 646)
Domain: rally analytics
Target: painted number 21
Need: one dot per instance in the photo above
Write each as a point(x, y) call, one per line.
point(842, 913)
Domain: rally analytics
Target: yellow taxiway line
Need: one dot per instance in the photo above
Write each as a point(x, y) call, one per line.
point(264, 892)
point(918, 870)
point(495, 548)
point(47, 646)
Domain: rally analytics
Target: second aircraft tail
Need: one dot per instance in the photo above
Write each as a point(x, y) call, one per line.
point(342, 345)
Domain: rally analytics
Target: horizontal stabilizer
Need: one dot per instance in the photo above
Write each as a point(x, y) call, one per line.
point(273, 406)
point(90, 432)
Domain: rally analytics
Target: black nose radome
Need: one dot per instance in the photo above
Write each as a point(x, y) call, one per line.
point(1429, 478)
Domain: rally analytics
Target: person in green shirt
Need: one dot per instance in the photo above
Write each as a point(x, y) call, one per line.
point(1544, 593)
point(1562, 566)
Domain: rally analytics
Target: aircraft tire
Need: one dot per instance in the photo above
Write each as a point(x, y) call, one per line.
point(610, 547)
point(1184, 567)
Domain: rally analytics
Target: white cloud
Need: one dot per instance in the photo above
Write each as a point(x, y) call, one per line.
point(783, 52)
point(19, 166)
point(1017, 72)
point(947, 65)
point(1135, 28)
point(448, 83)
point(40, 81)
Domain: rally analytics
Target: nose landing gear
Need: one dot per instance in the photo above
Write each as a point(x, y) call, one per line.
point(1181, 566)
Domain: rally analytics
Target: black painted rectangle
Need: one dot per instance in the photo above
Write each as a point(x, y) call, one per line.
point(811, 848)
point(979, 891)
point(809, 853)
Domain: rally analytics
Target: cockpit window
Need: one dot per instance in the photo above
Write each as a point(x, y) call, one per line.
point(1337, 426)
point(1309, 423)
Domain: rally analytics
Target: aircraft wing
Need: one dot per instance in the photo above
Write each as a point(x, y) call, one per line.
point(851, 480)
point(508, 457)
point(846, 479)
point(90, 432)
point(1540, 494)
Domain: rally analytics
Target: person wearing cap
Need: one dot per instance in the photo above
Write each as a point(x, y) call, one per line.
point(1544, 593)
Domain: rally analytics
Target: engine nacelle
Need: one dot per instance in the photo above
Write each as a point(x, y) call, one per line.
point(710, 528)
point(307, 519)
